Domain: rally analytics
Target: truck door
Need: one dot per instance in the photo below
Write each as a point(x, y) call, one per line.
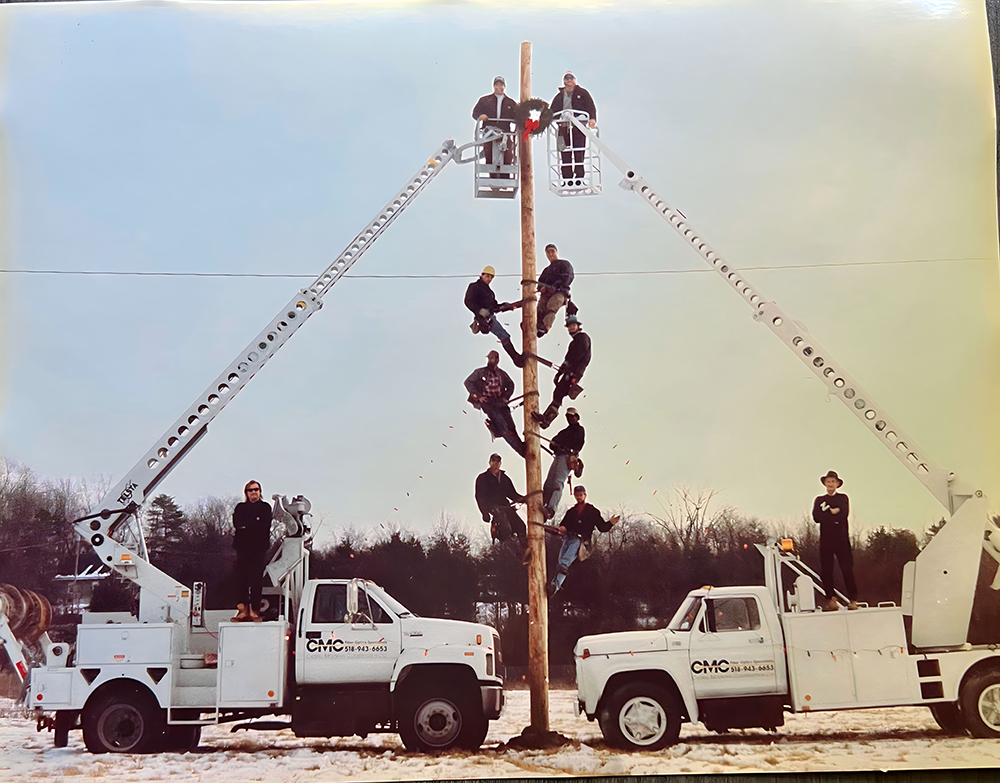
point(331, 649)
point(731, 653)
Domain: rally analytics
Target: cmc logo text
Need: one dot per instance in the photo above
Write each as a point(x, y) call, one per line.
point(713, 667)
point(327, 645)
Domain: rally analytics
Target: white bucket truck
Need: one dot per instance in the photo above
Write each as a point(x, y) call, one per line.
point(342, 658)
point(738, 657)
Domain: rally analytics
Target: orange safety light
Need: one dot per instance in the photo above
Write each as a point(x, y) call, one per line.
point(787, 545)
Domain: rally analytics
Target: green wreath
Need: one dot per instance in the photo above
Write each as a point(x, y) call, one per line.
point(523, 114)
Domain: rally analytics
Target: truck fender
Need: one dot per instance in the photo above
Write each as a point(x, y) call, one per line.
point(156, 680)
point(680, 685)
point(409, 666)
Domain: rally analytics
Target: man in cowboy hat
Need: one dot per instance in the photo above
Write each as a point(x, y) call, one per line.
point(482, 302)
point(830, 512)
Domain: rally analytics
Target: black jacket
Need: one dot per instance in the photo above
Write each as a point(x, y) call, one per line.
point(582, 523)
point(476, 382)
point(494, 492)
point(579, 99)
point(827, 521)
point(479, 296)
point(577, 355)
point(253, 526)
point(558, 275)
point(488, 105)
point(568, 440)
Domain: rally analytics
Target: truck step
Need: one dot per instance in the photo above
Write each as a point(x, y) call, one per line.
point(194, 696)
point(185, 678)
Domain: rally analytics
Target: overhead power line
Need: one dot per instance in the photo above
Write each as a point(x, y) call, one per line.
point(769, 267)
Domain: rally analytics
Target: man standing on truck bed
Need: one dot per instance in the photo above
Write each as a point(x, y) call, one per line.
point(830, 512)
point(252, 521)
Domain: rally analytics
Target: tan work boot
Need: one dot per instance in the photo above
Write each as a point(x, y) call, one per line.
point(831, 605)
point(852, 605)
point(242, 615)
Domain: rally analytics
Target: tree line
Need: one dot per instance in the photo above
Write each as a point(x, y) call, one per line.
point(636, 577)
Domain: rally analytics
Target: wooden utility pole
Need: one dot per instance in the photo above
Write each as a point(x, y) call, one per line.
point(538, 615)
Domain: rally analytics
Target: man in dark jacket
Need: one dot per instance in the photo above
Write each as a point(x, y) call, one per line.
point(572, 97)
point(489, 390)
point(570, 372)
point(553, 288)
point(577, 529)
point(494, 493)
point(496, 110)
point(830, 512)
point(566, 447)
point(252, 521)
point(482, 302)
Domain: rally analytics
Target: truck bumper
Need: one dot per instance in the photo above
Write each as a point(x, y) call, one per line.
point(493, 700)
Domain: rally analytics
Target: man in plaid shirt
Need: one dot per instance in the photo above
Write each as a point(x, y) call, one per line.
point(489, 390)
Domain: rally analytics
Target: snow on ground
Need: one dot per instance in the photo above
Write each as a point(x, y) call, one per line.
point(894, 738)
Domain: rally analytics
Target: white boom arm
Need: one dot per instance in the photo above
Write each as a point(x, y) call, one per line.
point(947, 569)
point(177, 441)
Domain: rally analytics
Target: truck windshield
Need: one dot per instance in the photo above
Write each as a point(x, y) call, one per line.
point(389, 602)
point(686, 615)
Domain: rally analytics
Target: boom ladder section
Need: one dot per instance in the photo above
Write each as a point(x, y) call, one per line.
point(946, 570)
point(175, 443)
point(948, 490)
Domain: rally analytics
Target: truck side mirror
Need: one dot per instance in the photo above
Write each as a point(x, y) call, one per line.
point(352, 597)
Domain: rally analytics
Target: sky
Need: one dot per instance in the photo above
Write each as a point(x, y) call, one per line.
point(842, 154)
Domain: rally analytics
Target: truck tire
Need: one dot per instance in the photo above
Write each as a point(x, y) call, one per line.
point(980, 704)
point(123, 721)
point(181, 738)
point(948, 716)
point(474, 731)
point(641, 716)
point(434, 719)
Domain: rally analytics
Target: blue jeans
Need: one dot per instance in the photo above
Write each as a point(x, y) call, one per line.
point(567, 556)
point(497, 330)
point(555, 480)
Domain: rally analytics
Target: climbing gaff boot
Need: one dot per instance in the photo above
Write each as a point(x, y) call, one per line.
point(545, 419)
point(516, 357)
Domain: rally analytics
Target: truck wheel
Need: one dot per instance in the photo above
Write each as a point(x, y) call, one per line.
point(642, 716)
point(980, 704)
point(123, 722)
point(432, 719)
point(948, 716)
point(474, 731)
point(181, 738)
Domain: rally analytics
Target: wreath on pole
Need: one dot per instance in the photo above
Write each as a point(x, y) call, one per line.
point(532, 126)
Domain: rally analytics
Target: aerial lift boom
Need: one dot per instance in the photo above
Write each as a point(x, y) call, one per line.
point(940, 588)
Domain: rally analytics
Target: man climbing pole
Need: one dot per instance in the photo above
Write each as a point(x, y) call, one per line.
point(568, 375)
point(482, 302)
point(577, 528)
point(566, 447)
point(494, 493)
point(553, 289)
point(489, 390)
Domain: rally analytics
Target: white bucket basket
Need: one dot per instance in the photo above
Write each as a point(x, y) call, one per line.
point(574, 163)
point(497, 179)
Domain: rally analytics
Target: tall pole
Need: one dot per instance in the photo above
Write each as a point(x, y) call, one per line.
point(538, 617)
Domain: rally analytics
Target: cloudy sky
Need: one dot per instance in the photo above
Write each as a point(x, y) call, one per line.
point(840, 153)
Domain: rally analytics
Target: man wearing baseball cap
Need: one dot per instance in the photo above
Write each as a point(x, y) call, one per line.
point(568, 375)
point(577, 529)
point(480, 299)
point(830, 511)
point(573, 98)
point(489, 390)
point(496, 110)
point(566, 447)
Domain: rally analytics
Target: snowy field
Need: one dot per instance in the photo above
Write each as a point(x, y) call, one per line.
point(898, 738)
